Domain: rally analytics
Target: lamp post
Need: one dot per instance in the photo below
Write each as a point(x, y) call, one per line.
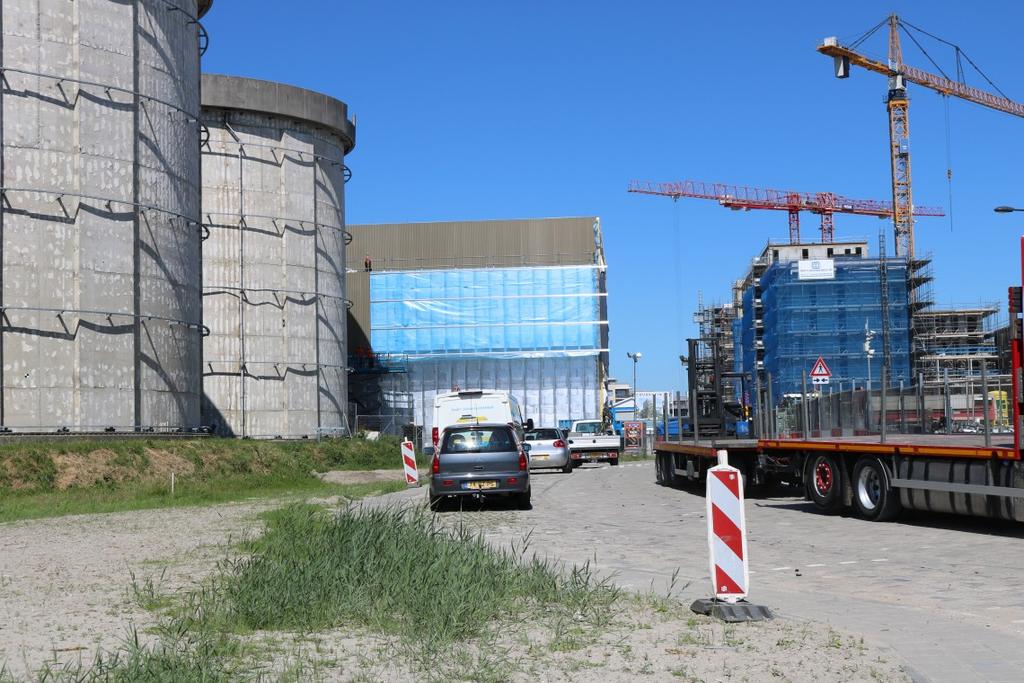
point(635, 356)
point(1006, 209)
point(868, 351)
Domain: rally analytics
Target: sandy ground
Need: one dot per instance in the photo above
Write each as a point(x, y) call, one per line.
point(65, 591)
point(65, 583)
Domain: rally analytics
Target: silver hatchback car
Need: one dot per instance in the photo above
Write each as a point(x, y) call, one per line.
point(548, 448)
point(480, 460)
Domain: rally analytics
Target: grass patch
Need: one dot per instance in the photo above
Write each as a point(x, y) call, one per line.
point(153, 495)
point(450, 599)
point(80, 476)
point(392, 571)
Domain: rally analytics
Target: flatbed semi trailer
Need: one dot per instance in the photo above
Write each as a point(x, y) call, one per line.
point(936, 473)
point(880, 477)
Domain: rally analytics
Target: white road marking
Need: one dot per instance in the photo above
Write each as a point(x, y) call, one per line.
point(778, 569)
point(817, 564)
point(880, 559)
point(849, 562)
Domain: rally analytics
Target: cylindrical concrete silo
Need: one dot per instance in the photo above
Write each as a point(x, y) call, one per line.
point(101, 320)
point(275, 360)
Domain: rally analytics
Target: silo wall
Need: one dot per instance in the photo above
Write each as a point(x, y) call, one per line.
point(275, 360)
point(99, 223)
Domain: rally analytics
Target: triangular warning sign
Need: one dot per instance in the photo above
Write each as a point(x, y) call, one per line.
point(820, 369)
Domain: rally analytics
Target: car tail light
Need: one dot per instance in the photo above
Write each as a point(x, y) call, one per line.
point(435, 464)
point(522, 461)
point(448, 482)
point(434, 436)
point(512, 480)
point(559, 444)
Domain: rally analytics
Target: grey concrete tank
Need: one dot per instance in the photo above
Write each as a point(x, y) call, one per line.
point(275, 360)
point(99, 218)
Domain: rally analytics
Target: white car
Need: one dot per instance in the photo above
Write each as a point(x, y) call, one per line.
point(548, 448)
point(476, 406)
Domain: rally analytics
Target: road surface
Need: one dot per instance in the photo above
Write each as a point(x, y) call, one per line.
point(941, 592)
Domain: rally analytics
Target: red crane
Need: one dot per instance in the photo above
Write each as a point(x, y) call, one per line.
point(742, 197)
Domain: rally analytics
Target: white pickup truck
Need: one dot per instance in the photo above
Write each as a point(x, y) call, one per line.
point(591, 441)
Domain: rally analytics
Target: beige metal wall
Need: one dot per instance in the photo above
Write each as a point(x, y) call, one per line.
point(475, 244)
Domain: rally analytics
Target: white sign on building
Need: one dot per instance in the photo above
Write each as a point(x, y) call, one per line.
point(816, 269)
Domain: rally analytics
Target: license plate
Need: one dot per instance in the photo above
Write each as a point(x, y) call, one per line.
point(480, 485)
point(539, 457)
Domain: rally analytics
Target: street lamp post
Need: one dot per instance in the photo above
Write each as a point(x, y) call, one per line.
point(635, 356)
point(868, 351)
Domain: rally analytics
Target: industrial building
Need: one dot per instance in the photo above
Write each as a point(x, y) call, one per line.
point(518, 305)
point(802, 301)
point(274, 359)
point(100, 222)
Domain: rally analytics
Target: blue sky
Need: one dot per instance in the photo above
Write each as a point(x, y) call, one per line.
point(476, 110)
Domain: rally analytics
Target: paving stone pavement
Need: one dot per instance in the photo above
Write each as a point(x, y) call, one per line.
point(942, 592)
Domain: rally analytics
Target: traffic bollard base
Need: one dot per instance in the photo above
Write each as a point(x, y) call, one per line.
point(731, 612)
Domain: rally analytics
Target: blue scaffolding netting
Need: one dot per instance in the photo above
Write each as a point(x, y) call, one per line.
point(807, 318)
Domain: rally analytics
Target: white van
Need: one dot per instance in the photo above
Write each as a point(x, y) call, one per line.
point(476, 406)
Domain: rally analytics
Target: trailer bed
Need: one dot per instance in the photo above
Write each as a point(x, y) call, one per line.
point(936, 445)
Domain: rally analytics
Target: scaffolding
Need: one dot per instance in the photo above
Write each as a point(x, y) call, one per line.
point(717, 325)
point(953, 343)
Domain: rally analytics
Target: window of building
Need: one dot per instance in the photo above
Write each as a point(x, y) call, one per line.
point(806, 253)
point(775, 254)
point(858, 251)
point(830, 252)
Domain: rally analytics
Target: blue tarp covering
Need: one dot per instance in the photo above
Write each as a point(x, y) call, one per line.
point(493, 311)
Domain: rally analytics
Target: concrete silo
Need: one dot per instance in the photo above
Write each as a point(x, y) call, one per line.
point(99, 218)
point(275, 360)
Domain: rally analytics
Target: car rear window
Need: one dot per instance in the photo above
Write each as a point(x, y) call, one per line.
point(543, 435)
point(478, 440)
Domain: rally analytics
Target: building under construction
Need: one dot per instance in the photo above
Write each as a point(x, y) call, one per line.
point(516, 305)
point(799, 302)
point(952, 344)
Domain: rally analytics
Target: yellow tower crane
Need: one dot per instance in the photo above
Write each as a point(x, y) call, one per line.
point(898, 105)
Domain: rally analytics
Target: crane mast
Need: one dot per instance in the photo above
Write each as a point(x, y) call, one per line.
point(898, 105)
point(899, 148)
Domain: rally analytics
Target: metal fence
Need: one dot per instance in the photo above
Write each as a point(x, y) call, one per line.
point(389, 425)
point(973, 405)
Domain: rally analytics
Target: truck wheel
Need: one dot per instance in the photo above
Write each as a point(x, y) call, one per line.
point(523, 500)
point(873, 496)
point(825, 482)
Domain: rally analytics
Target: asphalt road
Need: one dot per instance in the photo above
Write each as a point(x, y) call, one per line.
point(942, 592)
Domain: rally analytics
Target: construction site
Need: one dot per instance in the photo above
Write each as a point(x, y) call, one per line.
point(260, 423)
point(862, 310)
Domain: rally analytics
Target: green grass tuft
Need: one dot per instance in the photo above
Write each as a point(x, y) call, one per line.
point(393, 571)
